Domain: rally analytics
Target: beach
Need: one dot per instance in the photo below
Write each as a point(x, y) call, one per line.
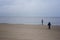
point(29, 32)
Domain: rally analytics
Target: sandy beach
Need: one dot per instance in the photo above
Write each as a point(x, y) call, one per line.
point(28, 32)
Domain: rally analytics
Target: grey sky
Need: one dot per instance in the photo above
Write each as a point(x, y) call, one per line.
point(30, 8)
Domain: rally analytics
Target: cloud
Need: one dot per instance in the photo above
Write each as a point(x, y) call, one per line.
point(29, 7)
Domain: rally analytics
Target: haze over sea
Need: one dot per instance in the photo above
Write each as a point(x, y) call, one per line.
point(30, 10)
point(29, 20)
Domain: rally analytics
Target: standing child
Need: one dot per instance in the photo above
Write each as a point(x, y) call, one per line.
point(49, 25)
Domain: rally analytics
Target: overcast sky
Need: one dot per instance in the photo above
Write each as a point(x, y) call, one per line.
point(33, 8)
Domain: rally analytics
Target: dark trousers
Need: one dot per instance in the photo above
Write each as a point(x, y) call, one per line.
point(49, 27)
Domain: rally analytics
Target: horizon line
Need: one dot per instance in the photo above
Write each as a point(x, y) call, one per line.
point(33, 16)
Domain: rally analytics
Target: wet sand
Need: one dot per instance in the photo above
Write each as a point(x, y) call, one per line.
point(28, 32)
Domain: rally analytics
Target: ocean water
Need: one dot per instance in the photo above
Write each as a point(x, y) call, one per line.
point(29, 20)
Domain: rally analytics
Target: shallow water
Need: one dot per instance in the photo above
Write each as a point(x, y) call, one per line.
point(30, 20)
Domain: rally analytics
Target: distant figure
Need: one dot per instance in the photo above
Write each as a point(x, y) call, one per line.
point(42, 22)
point(49, 25)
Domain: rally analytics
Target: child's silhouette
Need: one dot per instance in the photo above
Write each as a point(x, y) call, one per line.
point(49, 25)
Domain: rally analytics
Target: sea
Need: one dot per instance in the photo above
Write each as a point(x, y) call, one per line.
point(29, 20)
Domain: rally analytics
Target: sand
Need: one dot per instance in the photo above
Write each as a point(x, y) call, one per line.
point(28, 32)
